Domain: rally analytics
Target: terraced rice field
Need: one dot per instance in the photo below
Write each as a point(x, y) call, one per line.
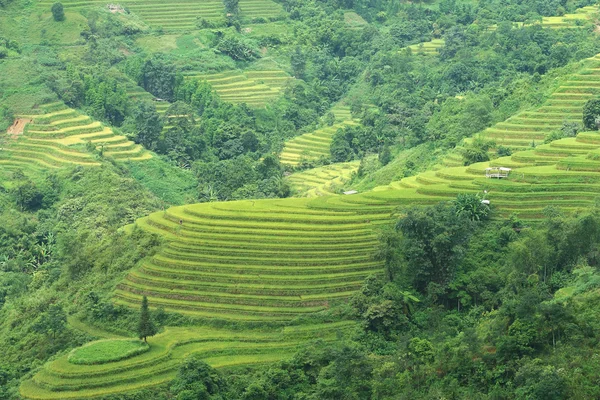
point(314, 145)
point(254, 88)
point(428, 48)
point(320, 181)
point(137, 93)
point(181, 14)
point(564, 105)
point(221, 348)
point(58, 136)
point(253, 260)
point(570, 20)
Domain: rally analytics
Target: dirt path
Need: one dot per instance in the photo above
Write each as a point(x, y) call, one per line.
point(17, 127)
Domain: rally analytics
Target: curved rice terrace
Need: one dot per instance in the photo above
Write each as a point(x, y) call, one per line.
point(181, 14)
point(60, 136)
point(254, 88)
point(321, 181)
point(220, 348)
point(314, 145)
point(264, 260)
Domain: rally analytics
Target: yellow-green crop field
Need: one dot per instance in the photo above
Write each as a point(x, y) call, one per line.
point(314, 145)
point(272, 260)
point(254, 88)
point(177, 15)
point(320, 181)
point(59, 136)
point(428, 48)
point(221, 348)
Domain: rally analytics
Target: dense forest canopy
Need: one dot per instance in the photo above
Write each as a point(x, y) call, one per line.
point(436, 284)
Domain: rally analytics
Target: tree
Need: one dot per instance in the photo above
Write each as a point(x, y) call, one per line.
point(28, 196)
point(232, 7)
point(472, 206)
point(52, 321)
point(434, 241)
point(298, 61)
point(340, 148)
point(159, 77)
point(146, 326)
point(385, 155)
point(147, 125)
point(58, 12)
point(591, 114)
point(197, 380)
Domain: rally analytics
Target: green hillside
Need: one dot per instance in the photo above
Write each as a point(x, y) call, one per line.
point(180, 15)
point(265, 199)
point(221, 348)
point(314, 145)
point(60, 136)
point(321, 181)
point(254, 88)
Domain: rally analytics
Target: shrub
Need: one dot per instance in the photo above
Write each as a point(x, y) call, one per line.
point(477, 151)
point(240, 49)
point(503, 151)
point(58, 12)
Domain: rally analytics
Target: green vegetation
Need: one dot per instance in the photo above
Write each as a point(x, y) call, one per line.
point(254, 88)
point(321, 181)
point(315, 145)
point(105, 351)
point(58, 12)
point(145, 326)
point(281, 200)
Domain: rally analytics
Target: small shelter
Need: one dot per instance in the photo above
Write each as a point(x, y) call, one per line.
point(115, 8)
point(351, 192)
point(497, 172)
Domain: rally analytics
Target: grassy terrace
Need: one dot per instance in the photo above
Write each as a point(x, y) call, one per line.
point(314, 145)
point(255, 88)
point(253, 260)
point(61, 379)
point(429, 48)
point(573, 20)
point(58, 136)
point(565, 104)
point(181, 14)
point(320, 181)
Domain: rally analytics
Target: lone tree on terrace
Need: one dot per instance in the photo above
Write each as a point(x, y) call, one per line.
point(58, 12)
point(146, 326)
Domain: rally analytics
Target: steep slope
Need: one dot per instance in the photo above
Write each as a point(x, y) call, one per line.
point(254, 88)
point(221, 348)
point(60, 136)
point(314, 145)
point(319, 181)
point(264, 260)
